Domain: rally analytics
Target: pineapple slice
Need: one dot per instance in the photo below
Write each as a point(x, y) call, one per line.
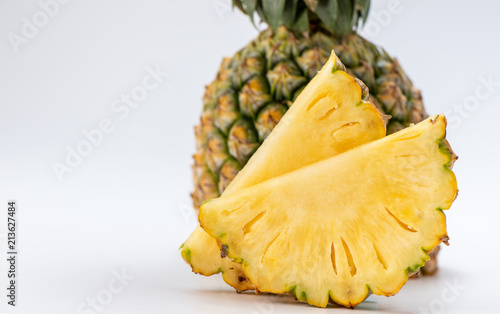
point(352, 224)
point(203, 253)
point(330, 116)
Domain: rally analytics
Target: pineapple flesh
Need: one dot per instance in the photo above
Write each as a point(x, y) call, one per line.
point(329, 117)
point(344, 227)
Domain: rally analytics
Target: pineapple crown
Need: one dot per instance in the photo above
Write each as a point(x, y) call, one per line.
point(340, 17)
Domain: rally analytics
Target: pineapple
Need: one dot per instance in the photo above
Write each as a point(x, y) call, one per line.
point(329, 117)
point(328, 231)
point(254, 88)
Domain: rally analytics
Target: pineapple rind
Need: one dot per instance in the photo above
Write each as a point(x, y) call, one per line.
point(232, 273)
point(270, 273)
point(186, 255)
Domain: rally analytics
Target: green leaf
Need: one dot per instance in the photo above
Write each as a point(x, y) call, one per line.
point(302, 24)
point(345, 20)
point(260, 12)
point(338, 16)
point(327, 11)
point(237, 3)
point(250, 6)
point(312, 4)
point(273, 9)
point(289, 13)
point(363, 6)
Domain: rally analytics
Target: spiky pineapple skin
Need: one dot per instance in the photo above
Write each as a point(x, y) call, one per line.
point(254, 89)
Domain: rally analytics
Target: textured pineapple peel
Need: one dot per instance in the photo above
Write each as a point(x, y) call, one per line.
point(346, 226)
point(329, 117)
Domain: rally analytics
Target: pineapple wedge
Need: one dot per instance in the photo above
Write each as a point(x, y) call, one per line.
point(330, 116)
point(344, 227)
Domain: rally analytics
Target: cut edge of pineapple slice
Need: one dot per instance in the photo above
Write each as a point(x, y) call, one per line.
point(202, 252)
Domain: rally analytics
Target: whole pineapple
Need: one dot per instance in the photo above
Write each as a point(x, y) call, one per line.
point(254, 88)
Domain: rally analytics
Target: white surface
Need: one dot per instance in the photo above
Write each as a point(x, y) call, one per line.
point(125, 205)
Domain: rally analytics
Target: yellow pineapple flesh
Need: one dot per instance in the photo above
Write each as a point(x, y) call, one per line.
point(344, 227)
point(330, 116)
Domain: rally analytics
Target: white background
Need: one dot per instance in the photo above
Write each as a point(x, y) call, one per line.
point(126, 207)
